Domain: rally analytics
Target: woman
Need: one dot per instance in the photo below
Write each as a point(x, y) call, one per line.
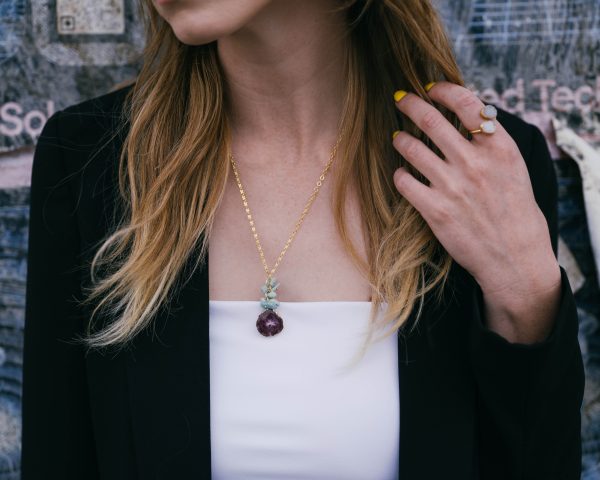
point(158, 343)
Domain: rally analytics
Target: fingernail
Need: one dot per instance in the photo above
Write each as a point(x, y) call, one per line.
point(399, 95)
point(428, 86)
point(396, 132)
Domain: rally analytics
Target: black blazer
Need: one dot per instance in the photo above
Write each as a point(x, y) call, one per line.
point(473, 405)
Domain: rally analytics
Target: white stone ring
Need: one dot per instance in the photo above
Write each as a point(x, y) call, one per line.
point(488, 112)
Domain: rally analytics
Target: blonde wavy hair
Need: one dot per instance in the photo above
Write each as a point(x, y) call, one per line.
point(174, 166)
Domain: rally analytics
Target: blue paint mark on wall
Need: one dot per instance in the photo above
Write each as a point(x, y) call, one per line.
point(12, 27)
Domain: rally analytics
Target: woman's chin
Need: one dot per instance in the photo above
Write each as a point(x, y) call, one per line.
point(200, 32)
point(194, 38)
point(198, 23)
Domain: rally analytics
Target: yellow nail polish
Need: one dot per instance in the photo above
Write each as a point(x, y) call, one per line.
point(395, 133)
point(399, 95)
point(428, 86)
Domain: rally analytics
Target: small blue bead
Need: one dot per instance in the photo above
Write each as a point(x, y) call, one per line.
point(266, 304)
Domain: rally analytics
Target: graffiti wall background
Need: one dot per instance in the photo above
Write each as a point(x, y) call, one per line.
point(539, 59)
point(53, 53)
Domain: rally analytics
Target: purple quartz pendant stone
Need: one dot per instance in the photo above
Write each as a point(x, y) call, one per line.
point(269, 323)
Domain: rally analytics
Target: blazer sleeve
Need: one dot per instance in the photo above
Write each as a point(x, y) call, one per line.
point(530, 395)
point(57, 437)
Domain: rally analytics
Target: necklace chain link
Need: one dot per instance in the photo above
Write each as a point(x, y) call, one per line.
point(311, 199)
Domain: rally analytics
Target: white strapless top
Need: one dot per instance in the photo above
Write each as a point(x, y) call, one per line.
point(292, 406)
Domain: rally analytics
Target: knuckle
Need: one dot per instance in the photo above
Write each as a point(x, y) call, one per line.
point(455, 190)
point(439, 213)
point(505, 149)
point(432, 119)
point(475, 171)
point(411, 148)
point(407, 144)
point(467, 99)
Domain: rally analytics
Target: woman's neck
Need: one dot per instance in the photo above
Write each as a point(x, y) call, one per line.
point(285, 78)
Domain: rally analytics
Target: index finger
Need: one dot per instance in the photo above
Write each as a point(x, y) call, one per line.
point(467, 107)
point(437, 127)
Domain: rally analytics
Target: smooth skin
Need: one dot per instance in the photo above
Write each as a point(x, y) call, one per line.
point(480, 206)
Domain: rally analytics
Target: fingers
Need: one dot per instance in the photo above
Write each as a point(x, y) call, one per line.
point(431, 121)
point(421, 157)
point(417, 193)
point(467, 107)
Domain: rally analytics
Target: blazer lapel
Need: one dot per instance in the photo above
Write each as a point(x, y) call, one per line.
point(169, 380)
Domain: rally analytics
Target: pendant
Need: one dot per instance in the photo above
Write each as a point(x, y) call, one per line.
point(269, 323)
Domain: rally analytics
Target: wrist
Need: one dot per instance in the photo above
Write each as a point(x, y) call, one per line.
point(524, 311)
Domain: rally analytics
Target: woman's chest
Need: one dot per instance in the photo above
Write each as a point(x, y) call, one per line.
point(315, 265)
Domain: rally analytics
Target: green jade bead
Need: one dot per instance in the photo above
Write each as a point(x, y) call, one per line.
point(269, 291)
point(269, 304)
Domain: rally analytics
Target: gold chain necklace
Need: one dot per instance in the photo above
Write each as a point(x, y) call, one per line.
point(270, 323)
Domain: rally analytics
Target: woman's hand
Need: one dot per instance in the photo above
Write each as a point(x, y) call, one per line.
point(480, 206)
